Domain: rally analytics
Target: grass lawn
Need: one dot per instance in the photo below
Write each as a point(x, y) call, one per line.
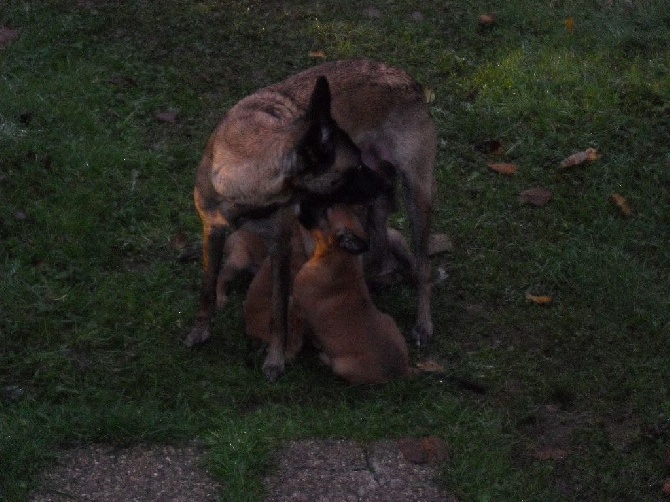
point(104, 111)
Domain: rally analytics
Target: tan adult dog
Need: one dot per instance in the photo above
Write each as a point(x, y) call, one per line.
point(314, 134)
point(331, 303)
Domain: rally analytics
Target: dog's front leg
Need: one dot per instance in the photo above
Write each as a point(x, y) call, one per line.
point(214, 237)
point(280, 260)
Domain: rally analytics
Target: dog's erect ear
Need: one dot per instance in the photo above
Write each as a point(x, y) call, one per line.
point(317, 147)
point(319, 103)
point(350, 242)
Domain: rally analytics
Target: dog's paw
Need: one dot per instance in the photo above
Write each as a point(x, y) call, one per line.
point(422, 333)
point(273, 371)
point(198, 335)
point(221, 300)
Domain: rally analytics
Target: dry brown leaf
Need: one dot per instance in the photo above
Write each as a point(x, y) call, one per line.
point(373, 13)
point(178, 241)
point(551, 454)
point(7, 36)
point(416, 16)
point(539, 299)
point(435, 448)
point(503, 168)
point(429, 449)
point(412, 451)
point(621, 202)
point(570, 25)
point(487, 20)
point(430, 366)
point(490, 147)
point(317, 54)
point(588, 155)
point(537, 196)
point(439, 243)
point(169, 117)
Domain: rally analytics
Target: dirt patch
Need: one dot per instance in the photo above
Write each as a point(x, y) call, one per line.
point(308, 470)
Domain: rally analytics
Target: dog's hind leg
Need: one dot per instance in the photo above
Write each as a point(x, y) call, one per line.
point(419, 188)
point(419, 206)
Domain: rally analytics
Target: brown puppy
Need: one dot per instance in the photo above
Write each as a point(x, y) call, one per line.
point(331, 302)
point(293, 140)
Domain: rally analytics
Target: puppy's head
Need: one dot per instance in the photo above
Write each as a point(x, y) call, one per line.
point(338, 223)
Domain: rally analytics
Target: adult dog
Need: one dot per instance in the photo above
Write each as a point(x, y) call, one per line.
point(316, 133)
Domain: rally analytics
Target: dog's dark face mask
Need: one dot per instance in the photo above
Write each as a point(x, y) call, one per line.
point(325, 155)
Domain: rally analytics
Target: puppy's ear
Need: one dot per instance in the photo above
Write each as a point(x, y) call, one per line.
point(317, 147)
point(350, 242)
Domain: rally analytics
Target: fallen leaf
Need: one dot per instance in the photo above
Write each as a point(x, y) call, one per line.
point(317, 54)
point(429, 95)
point(435, 448)
point(621, 202)
point(430, 366)
point(490, 147)
point(429, 449)
point(487, 20)
point(551, 454)
point(439, 243)
point(169, 117)
point(412, 450)
point(588, 155)
point(504, 168)
point(570, 25)
point(441, 275)
point(373, 13)
point(178, 241)
point(7, 36)
point(416, 16)
point(539, 299)
point(537, 196)
point(122, 81)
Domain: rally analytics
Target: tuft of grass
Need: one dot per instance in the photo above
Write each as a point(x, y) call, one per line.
point(95, 299)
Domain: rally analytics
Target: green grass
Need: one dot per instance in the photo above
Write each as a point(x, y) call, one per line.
point(94, 299)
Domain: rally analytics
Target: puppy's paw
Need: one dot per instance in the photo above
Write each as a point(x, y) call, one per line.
point(198, 335)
